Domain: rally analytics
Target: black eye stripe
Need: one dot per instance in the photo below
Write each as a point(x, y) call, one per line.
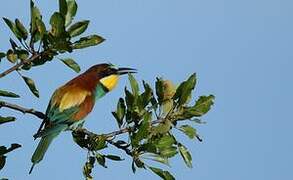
point(108, 72)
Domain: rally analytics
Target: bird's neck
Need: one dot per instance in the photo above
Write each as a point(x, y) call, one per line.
point(100, 91)
point(92, 83)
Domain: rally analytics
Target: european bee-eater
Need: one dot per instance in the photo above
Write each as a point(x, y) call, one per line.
point(72, 102)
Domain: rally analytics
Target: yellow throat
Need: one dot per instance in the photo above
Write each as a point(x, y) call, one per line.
point(110, 82)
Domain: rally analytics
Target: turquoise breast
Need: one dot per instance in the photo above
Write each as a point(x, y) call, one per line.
point(100, 91)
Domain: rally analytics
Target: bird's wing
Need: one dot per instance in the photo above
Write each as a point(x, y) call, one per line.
point(70, 103)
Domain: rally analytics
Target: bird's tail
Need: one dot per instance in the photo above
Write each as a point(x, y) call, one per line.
point(43, 146)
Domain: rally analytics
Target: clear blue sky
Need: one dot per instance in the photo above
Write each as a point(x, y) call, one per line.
point(242, 52)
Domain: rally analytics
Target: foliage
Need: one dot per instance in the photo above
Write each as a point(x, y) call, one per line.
point(4, 150)
point(151, 117)
point(41, 43)
point(151, 130)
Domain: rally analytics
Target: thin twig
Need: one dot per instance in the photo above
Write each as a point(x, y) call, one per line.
point(22, 109)
point(125, 130)
point(114, 133)
point(14, 68)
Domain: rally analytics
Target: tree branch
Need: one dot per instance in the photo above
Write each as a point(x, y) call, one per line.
point(13, 68)
point(22, 109)
point(114, 133)
point(125, 130)
point(81, 130)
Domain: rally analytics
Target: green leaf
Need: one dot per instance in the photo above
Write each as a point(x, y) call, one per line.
point(184, 90)
point(167, 106)
point(101, 160)
point(63, 7)
point(8, 94)
point(87, 168)
point(22, 54)
point(146, 96)
point(4, 150)
point(57, 22)
point(138, 163)
point(2, 55)
point(201, 107)
point(129, 98)
point(198, 121)
point(35, 15)
point(163, 174)
point(162, 128)
point(88, 41)
point(26, 66)
point(118, 120)
point(157, 158)
point(92, 160)
point(185, 155)
point(11, 56)
point(143, 129)
point(31, 84)
point(133, 167)
point(80, 138)
point(71, 11)
point(188, 130)
point(122, 143)
point(21, 29)
point(98, 143)
point(160, 90)
point(2, 161)
point(168, 152)
point(165, 141)
point(148, 147)
point(72, 64)
point(41, 27)
point(78, 28)
point(13, 147)
point(13, 44)
point(6, 119)
point(203, 104)
point(161, 159)
point(12, 27)
point(134, 85)
point(154, 103)
point(120, 112)
point(114, 158)
point(121, 109)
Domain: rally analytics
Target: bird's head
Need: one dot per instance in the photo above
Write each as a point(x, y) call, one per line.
point(108, 74)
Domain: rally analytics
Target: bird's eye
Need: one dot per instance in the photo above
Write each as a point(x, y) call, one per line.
point(110, 71)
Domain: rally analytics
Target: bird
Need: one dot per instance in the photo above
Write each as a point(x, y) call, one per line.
point(72, 102)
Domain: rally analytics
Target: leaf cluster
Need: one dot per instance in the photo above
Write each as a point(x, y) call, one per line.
point(152, 119)
point(42, 42)
point(4, 150)
point(38, 43)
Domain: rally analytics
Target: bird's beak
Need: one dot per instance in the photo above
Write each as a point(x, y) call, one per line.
point(122, 71)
